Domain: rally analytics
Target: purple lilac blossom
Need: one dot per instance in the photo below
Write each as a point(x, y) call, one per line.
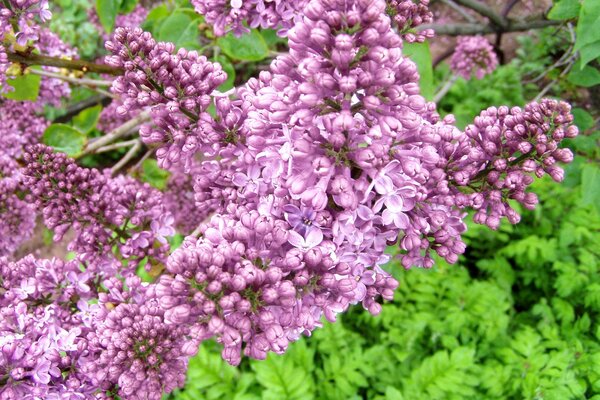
point(19, 127)
point(179, 197)
point(407, 15)
point(102, 210)
point(230, 15)
point(23, 15)
point(474, 55)
point(176, 85)
point(17, 217)
point(133, 347)
point(4, 65)
point(41, 335)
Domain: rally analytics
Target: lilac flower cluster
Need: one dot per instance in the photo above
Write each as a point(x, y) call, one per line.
point(250, 280)
point(17, 217)
point(103, 211)
point(230, 15)
point(407, 15)
point(19, 127)
point(22, 17)
point(474, 55)
point(175, 85)
point(40, 336)
point(500, 152)
point(133, 347)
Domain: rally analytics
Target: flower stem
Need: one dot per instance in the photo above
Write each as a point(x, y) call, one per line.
point(80, 65)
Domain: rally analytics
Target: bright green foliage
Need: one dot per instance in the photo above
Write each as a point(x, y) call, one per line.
point(87, 119)
point(588, 34)
point(153, 174)
point(517, 318)
point(248, 47)
point(24, 87)
point(65, 138)
point(420, 54)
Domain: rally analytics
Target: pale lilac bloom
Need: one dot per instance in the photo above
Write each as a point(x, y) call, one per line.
point(314, 236)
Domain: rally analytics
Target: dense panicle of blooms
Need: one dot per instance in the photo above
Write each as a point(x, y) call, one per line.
point(103, 211)
point(501, 151)
point(474, 55)
point(232, 15)
point(22, 17)
point(17, 217)
point(340, 124)
point(409, 14)
point(41, 330)
point(134, 353)
point(176, 85)
point(256, 284)
point(19, 127)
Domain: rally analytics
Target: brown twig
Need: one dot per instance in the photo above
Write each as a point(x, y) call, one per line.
point(80, 65)
point(119, 132)
point(460, 29)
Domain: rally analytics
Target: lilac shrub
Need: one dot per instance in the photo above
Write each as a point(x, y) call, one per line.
point(290, 191)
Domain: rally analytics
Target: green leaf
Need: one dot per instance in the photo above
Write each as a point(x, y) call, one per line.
point(391, 393)
point(228, 68)
point(26, 87)
point(564, 9)
point(589, 52)
point(249, 47)
point(588, 34)
point(271, 38)
point(586, 76)
point(590, 185)
point(583, 119)
point(153, 174)
point(420, 54)
point(179, 28)
point(107, 11)
point(87, 119)
point(128, 6)
point(65, 139)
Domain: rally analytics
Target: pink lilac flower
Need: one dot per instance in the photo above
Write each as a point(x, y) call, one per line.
point(4, 65)
point(136, 351)
point(40, 335)
point(409, 14)
point(26, 14)
point(175, 85)
point(230, 15)
point(474, 55)
point(98, 207)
